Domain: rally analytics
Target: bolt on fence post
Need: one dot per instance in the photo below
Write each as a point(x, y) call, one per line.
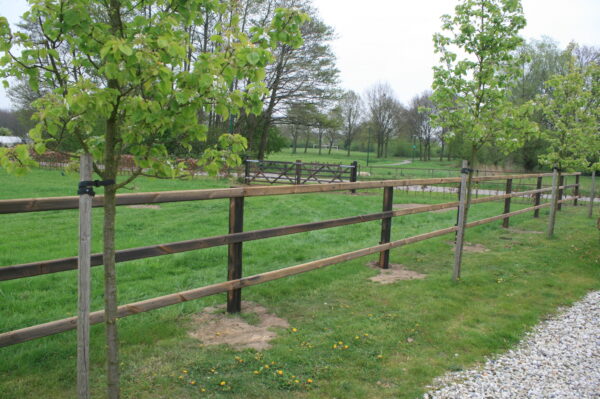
point(298, 171)
point(460, 233)
point(538, 197)
point(386, 226)
point(576, 192)
point(508, 190)
point(561, 182)
point(234, 253)
point(592, 194)
point(554, 203)
point(84, 284)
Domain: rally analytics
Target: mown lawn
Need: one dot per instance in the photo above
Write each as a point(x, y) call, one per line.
point(399, 336)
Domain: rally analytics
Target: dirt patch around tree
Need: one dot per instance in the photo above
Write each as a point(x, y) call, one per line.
point(470, 247)
point(144, 206)
point(395, 273)
point(411, 206)
point(213, 326)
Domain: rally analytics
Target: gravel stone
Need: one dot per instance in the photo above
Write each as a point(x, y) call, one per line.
point(560, 358)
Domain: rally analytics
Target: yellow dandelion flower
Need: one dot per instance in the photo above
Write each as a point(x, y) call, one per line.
point(334, 346)
point(193, 382)
point(366, 335)
point(340, 343)
point(256, 372)
point(357, 337)
point(296, 381)
point(309, 380)
point(279, 372)
point(202, 389)
point(223, 383)
point(294, 329)
point(181, 377)
point(184, 371)
point(273, 362)
point(346, 346)
point(267, 366)
point(379, 356)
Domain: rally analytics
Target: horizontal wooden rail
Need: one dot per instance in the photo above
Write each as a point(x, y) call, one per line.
point(62, 203)
point(64, 264)
point(58, 326)
point(125, 255)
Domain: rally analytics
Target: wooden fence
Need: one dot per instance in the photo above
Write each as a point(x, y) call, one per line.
point(237, 236)
point(298, 172)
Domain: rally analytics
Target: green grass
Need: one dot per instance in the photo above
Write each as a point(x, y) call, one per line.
point(503, 292)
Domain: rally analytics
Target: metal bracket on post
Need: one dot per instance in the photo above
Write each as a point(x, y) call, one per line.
point(460, 232)
point(87, 186)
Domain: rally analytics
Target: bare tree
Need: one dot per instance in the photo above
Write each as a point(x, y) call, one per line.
point(419, 119)
point(384, 112)
point(352, 108)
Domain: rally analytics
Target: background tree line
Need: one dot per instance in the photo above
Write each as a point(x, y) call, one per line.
point(305, 107)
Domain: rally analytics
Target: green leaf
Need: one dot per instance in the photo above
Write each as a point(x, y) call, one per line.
point(125, 49)
point(253, 57)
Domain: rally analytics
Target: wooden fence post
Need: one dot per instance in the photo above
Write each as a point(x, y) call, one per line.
point(538, 197)
point(246, 171)
point(354, 174)
point(576, 191)
point(298, 171)
point(553, 205)
point(561, 182)
point(508, 190)
point(460, 233)
point(234, 253)
point(592, 194)
point(84, 277)
point(386, 226)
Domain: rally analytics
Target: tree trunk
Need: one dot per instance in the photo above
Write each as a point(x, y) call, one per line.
point(111, 160)
point(442, 151)
point(320, 141)
point(295, 140)
point(306, 142)
point(110, 293)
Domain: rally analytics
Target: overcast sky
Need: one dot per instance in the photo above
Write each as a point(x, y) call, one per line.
point(390, 40)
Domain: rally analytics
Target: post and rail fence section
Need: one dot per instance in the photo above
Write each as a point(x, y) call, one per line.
point(237, 236)
point(298, 172)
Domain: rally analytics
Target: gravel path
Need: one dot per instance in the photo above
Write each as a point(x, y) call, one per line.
point(560, 358)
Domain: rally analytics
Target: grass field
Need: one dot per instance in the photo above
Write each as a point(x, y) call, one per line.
point(388, 168)
point(408, 332)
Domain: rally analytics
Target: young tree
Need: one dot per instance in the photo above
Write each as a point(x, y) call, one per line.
point(571, 108)
point(121, 82)
point(352, 112)
point(471, 90)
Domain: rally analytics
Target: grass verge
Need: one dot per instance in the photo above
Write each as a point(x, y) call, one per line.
point(398, 337)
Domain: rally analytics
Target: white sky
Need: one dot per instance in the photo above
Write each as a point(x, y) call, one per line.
point(391, 40)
